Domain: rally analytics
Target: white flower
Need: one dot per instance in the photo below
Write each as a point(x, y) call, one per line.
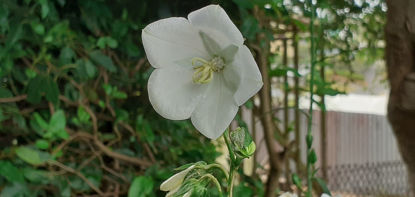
point(174, 182)
point(288, 194)
point(203, 69)
point(325, 195)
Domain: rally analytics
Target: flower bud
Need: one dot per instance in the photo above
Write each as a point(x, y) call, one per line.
point(242, 143)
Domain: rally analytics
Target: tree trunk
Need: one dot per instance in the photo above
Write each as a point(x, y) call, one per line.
point(400, 59)
point(266, 119)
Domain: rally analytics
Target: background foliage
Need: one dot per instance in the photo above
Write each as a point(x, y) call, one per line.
point(74, 111)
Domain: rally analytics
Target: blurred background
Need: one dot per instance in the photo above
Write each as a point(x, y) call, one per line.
point(76, 119)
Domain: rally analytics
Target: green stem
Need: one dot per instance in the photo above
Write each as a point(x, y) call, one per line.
point(233, 163)
point(230, 181)
point(212, 178)
point(220, 167)
point(310, 120)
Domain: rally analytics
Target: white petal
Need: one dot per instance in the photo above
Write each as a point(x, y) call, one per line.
point(172, 92)
point(172, 192)
point(325, 195)
point(169, 40)
point(174, 182)
point(188, 194)
point(245, 72)
point(216, 111)
point(288, 194)
point(214, 17)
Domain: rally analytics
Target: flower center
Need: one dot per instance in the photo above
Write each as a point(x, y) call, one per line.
point(204, 69)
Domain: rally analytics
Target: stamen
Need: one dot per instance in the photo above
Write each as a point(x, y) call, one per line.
point(204, 69)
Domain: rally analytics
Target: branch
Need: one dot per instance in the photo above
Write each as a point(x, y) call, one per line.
point(13, 99)
point(119, 156)
point(71, 170)
point(104, 149)
point(145, 145)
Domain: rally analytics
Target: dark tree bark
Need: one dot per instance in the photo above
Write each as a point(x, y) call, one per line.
point(267, 123)
point(400, 59)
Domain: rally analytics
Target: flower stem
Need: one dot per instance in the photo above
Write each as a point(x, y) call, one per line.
point(214, 180)
point(220, 167)
point(232, 163)
point(310, 120)
point(230, 180)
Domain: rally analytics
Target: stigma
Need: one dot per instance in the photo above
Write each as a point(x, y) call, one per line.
point(204, 69)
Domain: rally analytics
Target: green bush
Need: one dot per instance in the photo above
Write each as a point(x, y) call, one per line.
point(74, 111)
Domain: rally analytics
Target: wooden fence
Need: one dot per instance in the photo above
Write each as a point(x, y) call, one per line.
point(362, 154)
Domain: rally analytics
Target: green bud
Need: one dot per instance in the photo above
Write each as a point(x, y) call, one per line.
point(312, 157)
point(242, 143)
point(309, 140)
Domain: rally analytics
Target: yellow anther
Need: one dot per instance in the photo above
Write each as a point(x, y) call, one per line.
point(203, 74)
point(198, 59)
point(204, 69)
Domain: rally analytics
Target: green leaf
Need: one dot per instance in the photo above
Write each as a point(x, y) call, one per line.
point(15, 190)
point(107, 41)
point(10, 172)
point(297, 181)
point(148, 132)
point(66, 56)
point(58, 121)
point(328, 91)
point(83, 116)
point(323, 185)
point(112, 43)
point(5, 93)
point(51, 90)
point(99, 58)
point(57, 125)
point(15, 34)
point(30, 73)
point(42, 84)
point(250, 27)
point(40, 121)
point(44, 8)
point(279, 72)
point(101, 43)
point(247, 4)
point(142, 186)
point(30, 156)
point(42, 144)
point(33, 89)
point(61, 2)
point(37, 176)
point(249, 104)
point(107, 88)
point(90, 69)
point(119, 95)
point(38, 28)
point(299, 24)
point(243, 190)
